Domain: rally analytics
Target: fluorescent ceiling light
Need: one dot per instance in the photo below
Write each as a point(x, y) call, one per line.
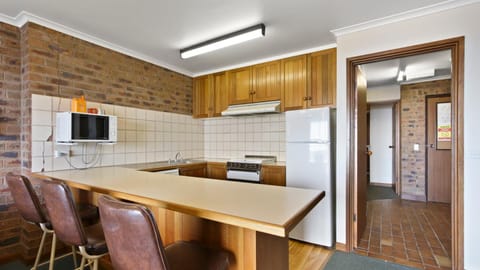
point(224, 41)
point(417, 74)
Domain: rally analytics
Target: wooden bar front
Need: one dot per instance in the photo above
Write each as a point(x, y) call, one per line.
point(251, 221)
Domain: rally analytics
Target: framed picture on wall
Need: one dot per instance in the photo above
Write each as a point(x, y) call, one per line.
point(444, 126)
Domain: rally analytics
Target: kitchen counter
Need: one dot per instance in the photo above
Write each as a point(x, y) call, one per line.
point(165, 165)
point(269, 209)
point(251, 221)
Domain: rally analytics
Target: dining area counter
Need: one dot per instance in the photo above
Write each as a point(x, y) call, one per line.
point(250, 220)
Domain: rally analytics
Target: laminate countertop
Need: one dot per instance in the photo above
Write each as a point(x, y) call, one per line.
point(265, 208)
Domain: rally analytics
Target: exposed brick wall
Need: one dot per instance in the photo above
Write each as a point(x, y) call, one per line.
point(61, 65)
point(38, 60)
point(413, 131)
point(9, 135)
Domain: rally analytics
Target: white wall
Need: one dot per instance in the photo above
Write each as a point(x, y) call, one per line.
point(383, 93)
point(381, 161)
point(457, 22)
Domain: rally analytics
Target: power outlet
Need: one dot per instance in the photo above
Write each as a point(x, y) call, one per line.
point(58, 153)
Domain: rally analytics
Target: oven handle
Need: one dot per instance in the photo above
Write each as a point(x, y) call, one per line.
point(243, 175)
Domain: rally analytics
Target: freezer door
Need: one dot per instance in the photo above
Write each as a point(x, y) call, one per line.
point(311, 125)
point(309, 166)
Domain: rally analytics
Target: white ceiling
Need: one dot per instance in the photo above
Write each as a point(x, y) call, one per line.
point(386, 72)
point(157, 30)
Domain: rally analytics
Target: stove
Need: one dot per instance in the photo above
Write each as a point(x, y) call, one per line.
point(247, 169)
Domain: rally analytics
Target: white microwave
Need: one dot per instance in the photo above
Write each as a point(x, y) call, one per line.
point(75, 127)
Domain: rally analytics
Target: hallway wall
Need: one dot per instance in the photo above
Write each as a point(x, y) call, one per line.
point(412, 130)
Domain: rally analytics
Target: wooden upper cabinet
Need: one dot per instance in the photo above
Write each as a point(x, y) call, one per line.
point(294, 83)
point(266, 81)
point(220, 93)
point(202, 97)
point(255, 83)
point(240, 86)
point(323, 78)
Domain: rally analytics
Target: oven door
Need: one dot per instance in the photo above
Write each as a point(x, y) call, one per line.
point(244, 176)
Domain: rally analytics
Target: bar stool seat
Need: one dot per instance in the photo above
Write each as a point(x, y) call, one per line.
point(95, 240)
point(67, 224)
point(134, 242)
point(34, 211)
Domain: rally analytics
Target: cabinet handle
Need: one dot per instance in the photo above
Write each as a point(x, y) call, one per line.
point(309, 98)
point(305, 98)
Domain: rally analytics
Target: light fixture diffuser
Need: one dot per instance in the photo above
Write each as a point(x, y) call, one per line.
point(224, 41)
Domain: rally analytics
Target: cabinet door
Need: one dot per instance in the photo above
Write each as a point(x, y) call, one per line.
point(273, 175)
point(266, 81)
point(294, 83)
point(217, 170)
point(197, 170)
point(323, 79)
point(239, 81)
point(220, 93)
point(202, 98)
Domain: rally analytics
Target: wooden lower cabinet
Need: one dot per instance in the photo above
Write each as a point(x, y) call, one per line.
point(217, 170)
point(273, 175)
point(196, 170)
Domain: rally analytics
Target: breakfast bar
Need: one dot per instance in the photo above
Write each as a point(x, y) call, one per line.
point(250, 220)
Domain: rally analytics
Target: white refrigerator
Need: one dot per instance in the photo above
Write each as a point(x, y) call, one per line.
point(310, 163)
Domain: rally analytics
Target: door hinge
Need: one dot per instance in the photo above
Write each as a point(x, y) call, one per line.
point(354, 217)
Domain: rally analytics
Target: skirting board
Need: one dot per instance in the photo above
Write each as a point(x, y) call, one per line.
point(340, 247)
point(381, 184)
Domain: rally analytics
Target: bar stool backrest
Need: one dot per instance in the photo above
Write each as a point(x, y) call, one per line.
point(26, 199)
point(132, 236)
point(63, 213)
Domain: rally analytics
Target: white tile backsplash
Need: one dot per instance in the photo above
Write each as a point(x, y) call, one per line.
point(254, 135)
point(148, 136)
point(143, 136)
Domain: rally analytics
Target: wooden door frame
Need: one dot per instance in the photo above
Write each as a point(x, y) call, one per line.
point(456, 45)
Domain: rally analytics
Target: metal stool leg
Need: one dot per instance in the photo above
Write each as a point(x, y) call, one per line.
point(95, 264)
point(74, 254)
point(39, 252)
point(52, 252)
point(82, 264)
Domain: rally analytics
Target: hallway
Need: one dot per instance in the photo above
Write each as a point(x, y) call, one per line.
point(408, 232)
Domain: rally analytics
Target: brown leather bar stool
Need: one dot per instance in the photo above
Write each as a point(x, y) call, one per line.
point(32, 211)
point(135, 243)
point(67, 224)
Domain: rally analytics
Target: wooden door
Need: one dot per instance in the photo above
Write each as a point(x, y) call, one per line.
point(323, 78)
point(240, 88)
point(266, 81)
point(220, 93)
point(202, 98)
point(294, 83)
point(439, 145)
point(362, 155)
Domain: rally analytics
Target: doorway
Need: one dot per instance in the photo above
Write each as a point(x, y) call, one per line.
point(357, 145)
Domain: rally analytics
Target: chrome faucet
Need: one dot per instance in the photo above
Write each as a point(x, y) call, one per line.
point(178, 157)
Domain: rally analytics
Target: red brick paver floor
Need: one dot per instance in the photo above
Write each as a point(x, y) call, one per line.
point(407, 232)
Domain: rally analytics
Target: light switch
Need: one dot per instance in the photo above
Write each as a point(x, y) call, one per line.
point(416, 147)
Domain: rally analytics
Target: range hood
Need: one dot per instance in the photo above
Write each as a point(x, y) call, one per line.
point(252, 108)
